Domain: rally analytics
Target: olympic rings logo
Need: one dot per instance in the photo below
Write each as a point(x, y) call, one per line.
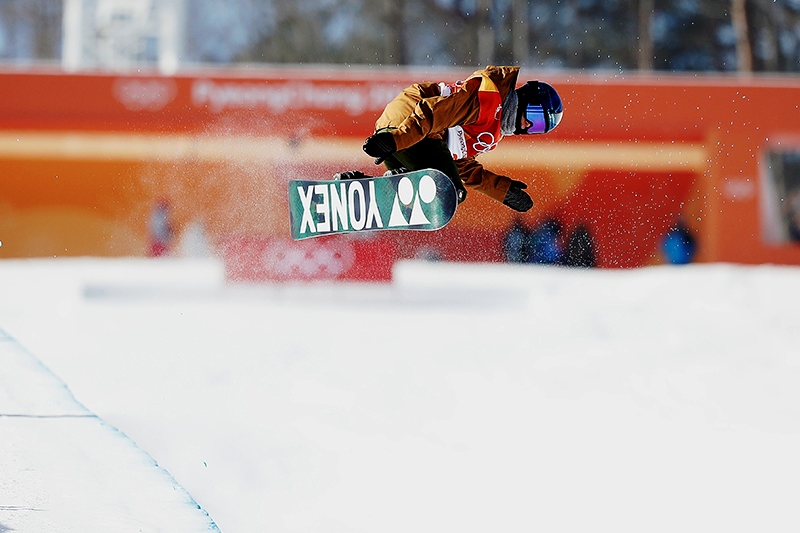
point(309, 260)
point(484, 142)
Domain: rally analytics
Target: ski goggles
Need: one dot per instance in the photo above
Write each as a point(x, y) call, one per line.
point(535, 115)
point(541, 122)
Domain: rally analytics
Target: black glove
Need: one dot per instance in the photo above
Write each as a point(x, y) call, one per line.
point(380, 146)
point(516, 198)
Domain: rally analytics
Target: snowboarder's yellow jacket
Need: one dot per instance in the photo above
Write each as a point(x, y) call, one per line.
point(466, 114)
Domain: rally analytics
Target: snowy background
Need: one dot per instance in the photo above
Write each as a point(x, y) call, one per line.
point(465, 398)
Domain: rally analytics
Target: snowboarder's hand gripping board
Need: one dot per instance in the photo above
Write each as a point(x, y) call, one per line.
point(420, 200)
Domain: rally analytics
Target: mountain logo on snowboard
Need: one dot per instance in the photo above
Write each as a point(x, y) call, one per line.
point(412, 198)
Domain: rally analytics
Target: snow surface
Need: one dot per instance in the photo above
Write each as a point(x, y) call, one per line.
point(63, 469)
point(466, 398)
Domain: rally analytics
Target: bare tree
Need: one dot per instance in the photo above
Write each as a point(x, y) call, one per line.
point(519, 31)
point(744, 55)
point(644, 58)
point(395, 25)
point(774, 34)
point(486, 38)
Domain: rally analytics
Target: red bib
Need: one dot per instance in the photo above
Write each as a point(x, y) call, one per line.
point(482, 135)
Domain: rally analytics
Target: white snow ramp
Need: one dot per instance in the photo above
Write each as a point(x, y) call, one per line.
point(63, 469)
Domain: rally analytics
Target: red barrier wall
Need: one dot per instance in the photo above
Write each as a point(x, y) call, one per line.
point(84, 158)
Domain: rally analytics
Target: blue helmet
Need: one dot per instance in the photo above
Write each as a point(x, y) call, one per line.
point(540, 104)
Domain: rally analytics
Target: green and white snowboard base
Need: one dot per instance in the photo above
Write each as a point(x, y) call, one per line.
point(422, 200)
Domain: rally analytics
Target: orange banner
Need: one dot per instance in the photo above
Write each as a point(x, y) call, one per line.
point(89, 163)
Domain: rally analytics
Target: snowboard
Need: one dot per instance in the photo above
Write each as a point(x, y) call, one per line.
point(422, 200)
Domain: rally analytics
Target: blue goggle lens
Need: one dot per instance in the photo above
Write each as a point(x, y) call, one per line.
point(535, 115)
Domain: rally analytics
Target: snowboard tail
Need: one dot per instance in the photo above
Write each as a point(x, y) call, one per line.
point(422, 200)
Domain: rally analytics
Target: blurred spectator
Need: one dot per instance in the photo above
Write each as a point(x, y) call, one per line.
point(793, 214)
point(544, 243)
point(161, 230)
point(516, 242)
point(679, 245)
point(194, 242)
point(580, 248)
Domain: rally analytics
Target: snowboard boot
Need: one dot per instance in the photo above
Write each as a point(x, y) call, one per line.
point(516, 198)
point(394, 171)
point(350, 175)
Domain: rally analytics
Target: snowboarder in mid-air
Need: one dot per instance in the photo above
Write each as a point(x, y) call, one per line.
point(445, 126)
